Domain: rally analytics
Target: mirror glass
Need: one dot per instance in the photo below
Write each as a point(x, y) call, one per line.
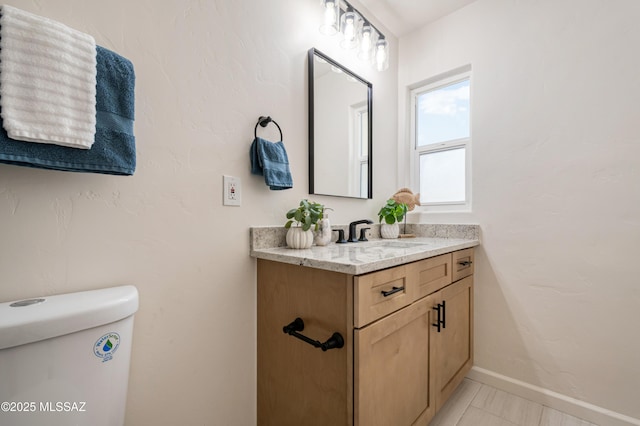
point(340, 130)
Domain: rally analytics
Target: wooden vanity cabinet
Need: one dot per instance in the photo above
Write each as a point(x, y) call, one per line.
point(397, 367)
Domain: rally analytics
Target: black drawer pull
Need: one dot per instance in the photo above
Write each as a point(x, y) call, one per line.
point(335, 341)
point(393, 290)
point(465, 263)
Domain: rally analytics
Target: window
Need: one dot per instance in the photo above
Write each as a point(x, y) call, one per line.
point(360, 138)
point(440, 142)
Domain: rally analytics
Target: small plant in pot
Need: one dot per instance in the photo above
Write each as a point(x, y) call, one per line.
point(392, 214)
point(305, 216)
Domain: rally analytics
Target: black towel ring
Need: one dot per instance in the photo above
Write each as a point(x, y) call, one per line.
point(264, 121)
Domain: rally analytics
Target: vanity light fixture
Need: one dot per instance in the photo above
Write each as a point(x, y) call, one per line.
point(356, 32)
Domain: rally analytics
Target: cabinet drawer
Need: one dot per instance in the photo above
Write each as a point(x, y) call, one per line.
point(431, 274)
point(380, 293)
point(462, 263)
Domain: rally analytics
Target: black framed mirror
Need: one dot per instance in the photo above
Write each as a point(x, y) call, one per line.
point(340, 130)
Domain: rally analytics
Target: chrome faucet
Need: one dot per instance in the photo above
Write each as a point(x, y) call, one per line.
point(352, 229)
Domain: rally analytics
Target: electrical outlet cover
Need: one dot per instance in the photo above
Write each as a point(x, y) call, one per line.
point(231, 191)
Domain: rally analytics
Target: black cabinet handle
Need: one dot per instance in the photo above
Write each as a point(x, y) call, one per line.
point(393, 290)
point(437, 323)
point(465, 263)
point(444, 313)
point(440, 308)
point(334, 342)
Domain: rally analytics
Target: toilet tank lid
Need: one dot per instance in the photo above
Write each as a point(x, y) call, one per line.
point(28, 321)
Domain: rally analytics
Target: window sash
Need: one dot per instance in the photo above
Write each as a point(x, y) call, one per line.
point(458, 146)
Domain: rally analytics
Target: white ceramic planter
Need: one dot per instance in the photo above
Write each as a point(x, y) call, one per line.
point(389, 231)
point(299, 239)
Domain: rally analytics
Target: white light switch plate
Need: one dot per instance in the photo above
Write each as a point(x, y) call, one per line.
point(231, 191)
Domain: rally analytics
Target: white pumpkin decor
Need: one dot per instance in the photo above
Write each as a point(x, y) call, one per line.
point(297, 238)
point(306, 217)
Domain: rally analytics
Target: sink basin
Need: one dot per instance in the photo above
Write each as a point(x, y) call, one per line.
point(399, 244)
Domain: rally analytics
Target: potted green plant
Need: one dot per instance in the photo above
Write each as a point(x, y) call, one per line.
point(305, 216)
point(391, 213)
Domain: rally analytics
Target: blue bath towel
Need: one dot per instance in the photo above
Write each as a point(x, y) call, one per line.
point(114, 150)
point(270, 160)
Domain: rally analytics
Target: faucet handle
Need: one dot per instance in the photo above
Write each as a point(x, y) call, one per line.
point(340, 239)
point(363, 234)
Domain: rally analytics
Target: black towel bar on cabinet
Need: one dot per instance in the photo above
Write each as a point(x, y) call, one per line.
point(334, 342)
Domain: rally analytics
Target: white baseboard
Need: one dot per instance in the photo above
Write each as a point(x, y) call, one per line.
point(572, 406)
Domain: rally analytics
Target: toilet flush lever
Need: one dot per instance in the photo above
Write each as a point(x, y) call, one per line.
point(27, 302)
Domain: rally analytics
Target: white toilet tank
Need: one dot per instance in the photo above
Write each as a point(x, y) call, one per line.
point(64, 359)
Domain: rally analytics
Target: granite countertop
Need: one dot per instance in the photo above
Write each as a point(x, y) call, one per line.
point(363, 257)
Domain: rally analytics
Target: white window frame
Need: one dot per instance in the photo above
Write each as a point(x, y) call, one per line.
point(355, 182)
point(415, 151)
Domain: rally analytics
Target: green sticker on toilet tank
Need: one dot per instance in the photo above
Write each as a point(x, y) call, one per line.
point(106, 346)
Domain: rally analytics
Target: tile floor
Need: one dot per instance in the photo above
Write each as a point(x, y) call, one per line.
point(475, 404)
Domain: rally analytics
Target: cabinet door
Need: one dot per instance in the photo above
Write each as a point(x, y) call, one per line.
point(392, 369)
point(453, 344)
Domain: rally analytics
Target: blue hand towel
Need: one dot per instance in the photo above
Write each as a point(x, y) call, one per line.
point(114, 150)
point(270, 160)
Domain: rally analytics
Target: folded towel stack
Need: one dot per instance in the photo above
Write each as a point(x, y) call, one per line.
point(47, 80)
point(114, 150)
point(270, 160)
point(59, 88)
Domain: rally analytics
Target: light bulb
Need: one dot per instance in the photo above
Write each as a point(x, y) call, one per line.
point(382, 57)
point(330, 24)
point(349, 28)
point(366, 43)
point(350, 22)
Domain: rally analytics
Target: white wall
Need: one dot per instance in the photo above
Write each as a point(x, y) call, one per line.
point(556, 167)
point(205, 71)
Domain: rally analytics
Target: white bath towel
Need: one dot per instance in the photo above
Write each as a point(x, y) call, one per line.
point(47, 80)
